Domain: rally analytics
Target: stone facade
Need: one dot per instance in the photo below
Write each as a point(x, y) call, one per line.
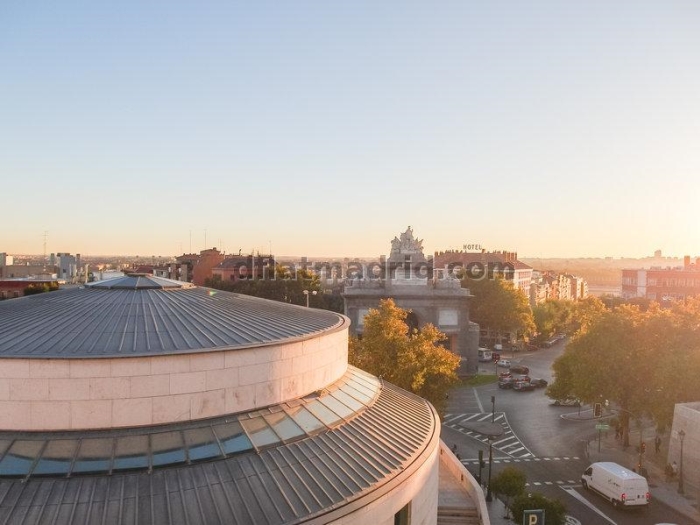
point(686, 418)
point(407, 278)
point(80, 394)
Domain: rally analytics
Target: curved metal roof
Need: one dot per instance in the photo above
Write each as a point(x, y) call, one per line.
point(139, 281)
point(296, 482)
point(136, 318)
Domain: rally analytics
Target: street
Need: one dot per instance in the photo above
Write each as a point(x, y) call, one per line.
point(549, 448)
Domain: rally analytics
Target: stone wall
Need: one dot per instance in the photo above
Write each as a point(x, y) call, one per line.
point(73, 394)
point(686, 417)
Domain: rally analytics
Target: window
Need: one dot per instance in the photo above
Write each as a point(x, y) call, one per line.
point(403, 517)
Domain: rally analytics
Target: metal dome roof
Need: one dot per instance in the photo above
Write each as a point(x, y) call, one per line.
point(139, 281)
point(143, 316)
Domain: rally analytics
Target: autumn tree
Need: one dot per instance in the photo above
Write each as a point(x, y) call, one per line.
point(413, 360)
point(499, 307)
point(564, 316)
point(642, 362)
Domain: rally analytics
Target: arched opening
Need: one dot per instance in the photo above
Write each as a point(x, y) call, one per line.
point(412, 322)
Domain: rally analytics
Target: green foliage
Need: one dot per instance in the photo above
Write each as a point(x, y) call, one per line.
point(36, 288)
point(509, 482)
point(497, 306)
point(285, 288)
point(554, 510)
point(481, 379)
point(569, 317)
point(643, 362)
point(414, 360)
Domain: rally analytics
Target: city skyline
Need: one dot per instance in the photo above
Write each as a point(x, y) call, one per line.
point(548, 129)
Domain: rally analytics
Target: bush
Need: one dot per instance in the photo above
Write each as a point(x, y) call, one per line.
point(554, 510)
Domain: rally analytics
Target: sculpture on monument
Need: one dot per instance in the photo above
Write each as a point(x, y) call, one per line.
point(406, 244)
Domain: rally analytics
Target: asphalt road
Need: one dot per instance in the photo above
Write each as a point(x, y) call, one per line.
point(535, 438)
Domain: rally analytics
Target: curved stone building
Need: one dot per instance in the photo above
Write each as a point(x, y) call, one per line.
point(145, 400)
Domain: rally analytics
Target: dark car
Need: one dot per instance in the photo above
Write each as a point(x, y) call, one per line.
point(519, 369)
point(539, 383)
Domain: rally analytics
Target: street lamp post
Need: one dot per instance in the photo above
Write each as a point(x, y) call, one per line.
point(681, 490)
point(306, 293)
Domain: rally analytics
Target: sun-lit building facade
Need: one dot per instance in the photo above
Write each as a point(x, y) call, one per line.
point(147, 400)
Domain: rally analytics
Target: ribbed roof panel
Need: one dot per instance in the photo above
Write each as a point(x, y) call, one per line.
point(123, 321)
point(287, 484)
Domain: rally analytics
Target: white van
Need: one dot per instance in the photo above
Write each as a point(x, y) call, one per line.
point(614, 482)
point(485, 355)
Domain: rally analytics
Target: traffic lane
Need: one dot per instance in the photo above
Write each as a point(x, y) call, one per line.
point(591, 509)
point(537, 423)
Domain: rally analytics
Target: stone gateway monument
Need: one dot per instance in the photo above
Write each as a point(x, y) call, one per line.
point(408, 278)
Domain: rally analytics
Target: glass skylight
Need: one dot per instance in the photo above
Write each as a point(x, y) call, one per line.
point(65, 454)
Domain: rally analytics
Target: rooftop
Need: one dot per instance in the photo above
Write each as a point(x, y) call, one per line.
point(145, 316)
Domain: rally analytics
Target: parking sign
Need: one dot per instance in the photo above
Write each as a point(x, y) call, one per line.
point(533, 517)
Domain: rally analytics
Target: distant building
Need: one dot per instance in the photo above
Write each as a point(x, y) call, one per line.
point(237, 267)
point(6, 260)
point(14, 288)
point(552, 285)
point(196, 268)
point(662, 284)
point(67, 265)
point(407, 278)
point(502, 263)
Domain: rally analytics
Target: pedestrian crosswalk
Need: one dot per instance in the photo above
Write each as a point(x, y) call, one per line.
point(507, 443)
point(475, 461)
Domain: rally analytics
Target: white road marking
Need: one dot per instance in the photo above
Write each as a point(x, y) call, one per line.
point(587, 503)
point(478, 401)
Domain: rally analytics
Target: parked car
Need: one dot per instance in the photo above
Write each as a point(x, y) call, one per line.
point(504, 363)
point(567, 402)
point(523, 386)
point(505, 382)
point(539, 383)
point(519, 369)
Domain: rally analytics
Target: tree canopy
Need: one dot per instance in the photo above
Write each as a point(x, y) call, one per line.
point(564, 316)
point(641, 361)
point(511, 482)
point(413, 360)
point(499, 307)
point(285, 288)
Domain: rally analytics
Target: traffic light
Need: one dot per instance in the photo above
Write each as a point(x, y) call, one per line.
point(597, 410)
point(644, 447)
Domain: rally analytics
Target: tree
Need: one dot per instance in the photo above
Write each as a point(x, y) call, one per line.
point(284, 287)
point(643, 362)
point(510, 482)
point(554, 510)
point(499, 307)
point(564, 316)
point(413, 360)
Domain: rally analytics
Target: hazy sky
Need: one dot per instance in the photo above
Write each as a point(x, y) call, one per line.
point(326, 128)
